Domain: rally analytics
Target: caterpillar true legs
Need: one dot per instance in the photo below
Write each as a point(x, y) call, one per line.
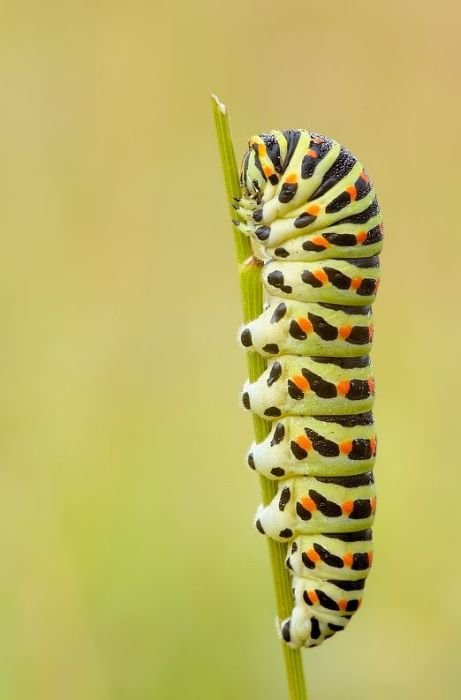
point(313, 219)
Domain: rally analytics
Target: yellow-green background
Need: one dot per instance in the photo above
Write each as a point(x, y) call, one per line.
point(129, 566)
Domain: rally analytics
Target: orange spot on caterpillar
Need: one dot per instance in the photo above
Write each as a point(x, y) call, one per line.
point(370, 558)
point(352, 192)
point(321, 275)
point(345, 447)
point(301, 382)
point(371, 385)
point(313, 597)
point(361, 236)
point(356, 282)
point(373, 445)
point(345, 331)
point(313, 556)
point(267, 170)
point(309, 505)
point(304, 442)
point(373, 504)
point(348, 559)
point(342, 603)
point(320, 240)
point(312, 153)
point(371, 330)
point(305, 324)
point(378, 282)
point(313, 209)
point(343, 387)
point(291, 179)
point(262, 149)
point(347, 507)
point(364, 176)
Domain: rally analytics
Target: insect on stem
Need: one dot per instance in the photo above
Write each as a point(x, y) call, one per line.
point(252, 304)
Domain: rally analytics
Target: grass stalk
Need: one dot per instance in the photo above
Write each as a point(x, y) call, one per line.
point(252, 304)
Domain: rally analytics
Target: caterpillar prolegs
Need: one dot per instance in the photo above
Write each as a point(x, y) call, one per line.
point(314, 223)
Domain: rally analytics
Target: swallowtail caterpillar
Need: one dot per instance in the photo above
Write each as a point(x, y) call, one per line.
point(314, 222)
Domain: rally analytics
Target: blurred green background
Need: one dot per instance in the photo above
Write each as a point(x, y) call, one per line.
point(130, 569)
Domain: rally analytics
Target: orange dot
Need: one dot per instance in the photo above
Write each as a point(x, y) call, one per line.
point(267, 170)
point(262, 149)
point(305, 324)
point(304, 442)
point(370, 558)
point(345, 331)
point(377, 283)
point(361, 236)
point(345, 447)
point(347, 507)
point(313, 556)
point(313, 597)
point(356, 282)
point(320, 240)
point(313, 209)
point(373, 504)
point(343, 387)
point(352, 192)
point(291, 179)
point(309, 505)
point(373, 445)
point(348, 558)
point(321, 275)
point(342, 603)
point(301, 382)
point(312, 153)
point(371, 385)
point(371, 331)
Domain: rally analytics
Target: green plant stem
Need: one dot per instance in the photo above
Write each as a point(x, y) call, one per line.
point(252, 304)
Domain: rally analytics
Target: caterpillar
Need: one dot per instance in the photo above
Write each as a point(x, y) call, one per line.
point(314, 223)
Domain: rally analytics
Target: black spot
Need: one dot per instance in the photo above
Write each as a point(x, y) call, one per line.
point(286, 533)
point(367, 287)
point(286, 631)
point(315, 628)
point(292, 137)
point(325, 600)
point(304, 220)
point(246, 400)
point(308, 278)
point(335, 628)
point(294, 548)
point(361, 509)
point(361, 449)
point(271, 348)
point(294, 391)
point(338, 203)
point(308, 563)
point(363, 216)
point(359, 335)
point(326, 507)
point(362, 187)
point(329, 558)
point(296, 331)
point(260, 527)
point(358, 389)
point(303, 513)
point(278, 471)
point(348, 482)
point(275, 373)
point(374, 235)
point(340, 239)
point(279, 313)
point(311, 247)
point(367, 263)
point(276, 279)
point(273, 179)
point(251, 461)
point(325, 447)
point(258, 215)
point(323, 389)
point(341, 167)
point(344, 362)
point(298, 451)
point(281, 253)
point(337, 278)
point(284, 498)
point(246, 339)
point(306, 598)
point(349, 421)
point(351, 310)
point(323, 329)
point(352, 605)
point(273, 412)
point(263, 233)
point(278, 435)
point(287, 192)
point(360, 561)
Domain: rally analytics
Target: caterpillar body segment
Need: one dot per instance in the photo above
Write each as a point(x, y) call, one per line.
point(311, 213)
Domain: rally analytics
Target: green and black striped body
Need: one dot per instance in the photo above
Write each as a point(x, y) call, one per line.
point(314, 221)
